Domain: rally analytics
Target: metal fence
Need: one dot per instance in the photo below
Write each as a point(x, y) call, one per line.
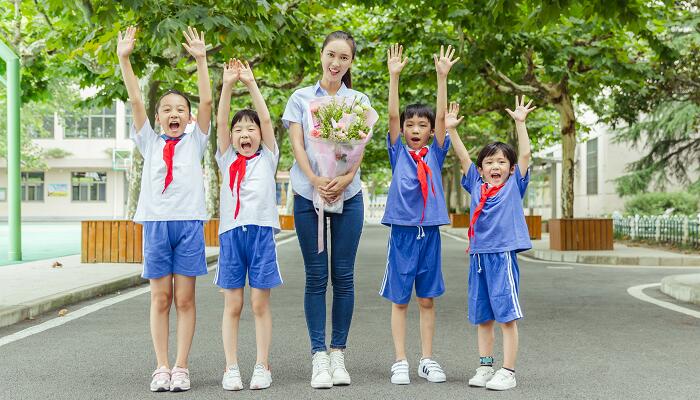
point(681, 230)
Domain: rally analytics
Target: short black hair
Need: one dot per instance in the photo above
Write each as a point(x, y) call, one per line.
point(493, 148)
point(246, 113)
point(177, 92)
point(418, 110)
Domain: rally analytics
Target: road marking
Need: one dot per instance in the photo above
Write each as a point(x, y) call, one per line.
point(58, 321)
point(638, 292)
point(553, 267)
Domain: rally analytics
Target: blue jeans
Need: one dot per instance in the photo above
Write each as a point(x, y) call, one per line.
point(346, 229)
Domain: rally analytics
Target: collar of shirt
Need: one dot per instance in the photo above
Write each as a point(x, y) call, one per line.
point(319, 91)
point(166, 137)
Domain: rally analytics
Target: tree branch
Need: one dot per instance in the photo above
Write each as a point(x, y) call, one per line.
point(263, 83)
point(43, 14)
point(508, 82)
point(595, 38)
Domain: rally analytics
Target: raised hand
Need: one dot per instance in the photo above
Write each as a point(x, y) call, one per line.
point(195, 43)
point(444, 62)
point(246, 73)
point(521, 109)
point(125, 44)
point(393, 59)
point(231, 72)
point(452, 118)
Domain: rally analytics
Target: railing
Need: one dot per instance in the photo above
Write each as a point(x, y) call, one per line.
point(679, 230)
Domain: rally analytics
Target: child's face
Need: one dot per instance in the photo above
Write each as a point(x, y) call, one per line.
point(336, 59)
point(173, 115)
point(496, 169)
point(417, 132)
point(245, 137)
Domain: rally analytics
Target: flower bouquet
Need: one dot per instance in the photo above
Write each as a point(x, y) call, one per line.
point(340, 127)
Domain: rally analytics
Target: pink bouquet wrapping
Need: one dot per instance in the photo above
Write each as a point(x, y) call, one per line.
point(340, 128)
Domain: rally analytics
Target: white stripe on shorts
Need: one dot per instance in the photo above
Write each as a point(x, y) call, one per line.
point(386, 270)
point(513, 293)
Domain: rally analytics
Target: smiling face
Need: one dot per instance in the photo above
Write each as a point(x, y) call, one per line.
point(496, 168)
point(173, 114)
point(336, 59)
point(417, 131)
point(245, 136)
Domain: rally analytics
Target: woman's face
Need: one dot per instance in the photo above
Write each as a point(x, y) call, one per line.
point(336, 59)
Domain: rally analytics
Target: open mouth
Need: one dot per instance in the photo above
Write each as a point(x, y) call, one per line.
point(495, 176)
point(246, 146)
point(333, 72)
point(415, 139)
point(174, 126)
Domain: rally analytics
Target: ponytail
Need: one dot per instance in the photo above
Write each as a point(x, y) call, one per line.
point(347, 80)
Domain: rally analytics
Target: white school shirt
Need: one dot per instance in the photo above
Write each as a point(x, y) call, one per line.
point(258, 191)
point(184, 197)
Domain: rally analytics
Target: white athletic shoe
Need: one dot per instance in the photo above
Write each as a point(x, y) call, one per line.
point(262, 377)
point(160, 381)
point(232, 378)
point(483, 375)
point(339, 374)
point(399, 373)
point(321, 375)
point(431, 370)
point(502, 380)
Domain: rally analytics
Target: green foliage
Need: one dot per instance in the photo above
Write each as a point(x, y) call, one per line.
point(55, 152)
point(656, 203)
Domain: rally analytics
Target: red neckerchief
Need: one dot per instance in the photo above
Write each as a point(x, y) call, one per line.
point(168, 153)
point(423, 170)
point(486, 192)
point(236, 173)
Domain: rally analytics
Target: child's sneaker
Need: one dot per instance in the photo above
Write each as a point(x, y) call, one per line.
point(160, 381)
point(502, 380)
point(179, 380)
point(431, 370)
point(339, 374)
point(232, 378)
point(262, 377)
point(321, 375)
point(483, 375)
point(399, 373)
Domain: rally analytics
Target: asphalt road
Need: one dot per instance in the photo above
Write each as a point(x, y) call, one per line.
point(583, 337)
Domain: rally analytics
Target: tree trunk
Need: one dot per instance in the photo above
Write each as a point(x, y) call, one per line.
point(447, 184)
point(457, 176)
point(567, 126)
point(212, 180)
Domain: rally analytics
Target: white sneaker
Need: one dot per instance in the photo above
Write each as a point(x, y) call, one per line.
point(502, 380)
point(179, 379)
point(262, 377)
point(339, 374)
point(431, 370)
point(321, 375)
point(483, 375)
point(232, 378)
point(399, 373)
point(160, 381)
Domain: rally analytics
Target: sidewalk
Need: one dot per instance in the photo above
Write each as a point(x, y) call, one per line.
point(33, 288)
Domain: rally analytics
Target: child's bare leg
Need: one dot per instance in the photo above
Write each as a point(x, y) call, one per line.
point(485, 334)
point(510, 344)
point(398, 329)
point(427, 325)
point(233, 304)
point(260, 299)
point(161, 299)
point(186, 316)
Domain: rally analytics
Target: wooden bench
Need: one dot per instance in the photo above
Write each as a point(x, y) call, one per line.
point(534, 226)
point(581, 234)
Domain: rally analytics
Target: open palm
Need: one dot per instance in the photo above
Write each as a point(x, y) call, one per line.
point(521, 109)
point(246, 72)
point(393, 61)
point(231, 71)
point(195, 43)
point(444, 62)
point(452, 118)
point(126, 41)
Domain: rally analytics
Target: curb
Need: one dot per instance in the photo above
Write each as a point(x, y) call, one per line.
point(684, 288)
point(613, 260)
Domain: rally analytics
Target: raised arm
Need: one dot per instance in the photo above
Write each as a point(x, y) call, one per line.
point(395, 65)
point(519, 115)
point(266, 129)
point(198, 49)
point(443, 64)
point(452, 120)
point(125, 46)
point(231, 75)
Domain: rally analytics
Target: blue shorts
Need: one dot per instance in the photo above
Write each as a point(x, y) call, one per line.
point(173, 247)
point(493, 288)
point(413, 256)
point(248, 250)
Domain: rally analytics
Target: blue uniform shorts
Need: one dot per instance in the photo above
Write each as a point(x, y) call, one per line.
point(248, 250)
point(173, 247)
point(493, 288)
point(413, 257)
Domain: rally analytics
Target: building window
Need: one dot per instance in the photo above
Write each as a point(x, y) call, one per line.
point(3, 194)
point(89, 186)
point(32, 186)
point(592, 166)
point(129, 118)
point(94, 124)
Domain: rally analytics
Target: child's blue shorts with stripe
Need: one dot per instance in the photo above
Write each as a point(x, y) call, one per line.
point(493, 288)
point(248, 250)
point(413, 257)
point(173, 247)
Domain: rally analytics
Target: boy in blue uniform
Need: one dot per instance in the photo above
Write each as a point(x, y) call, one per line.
point(415, 209)
point(497, 231)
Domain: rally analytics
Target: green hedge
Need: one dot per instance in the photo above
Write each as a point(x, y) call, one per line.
point(656, 203)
